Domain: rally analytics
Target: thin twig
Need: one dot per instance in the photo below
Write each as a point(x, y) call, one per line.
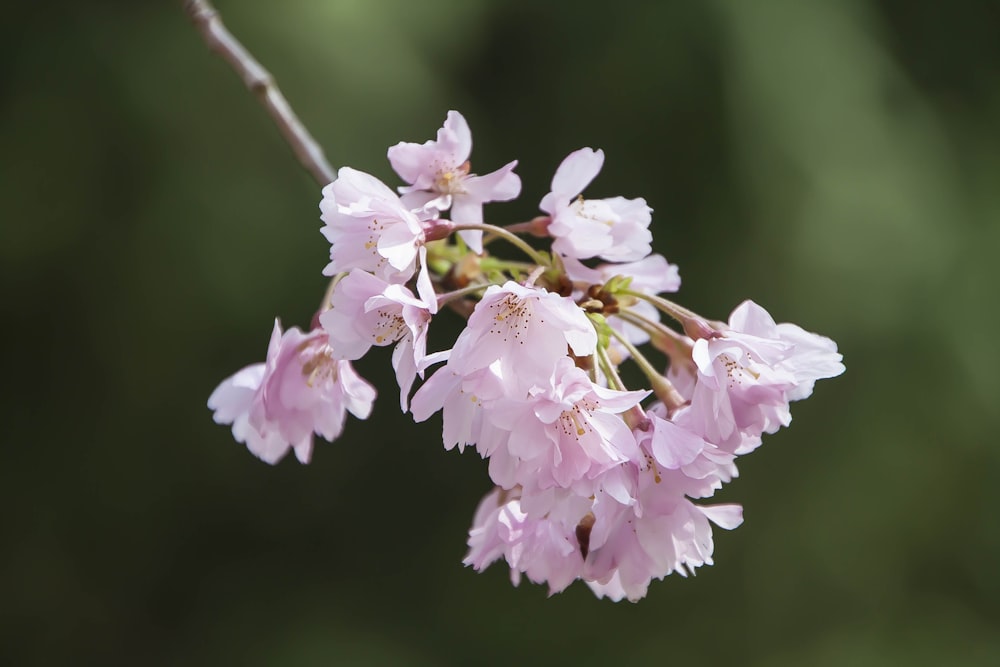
point(260, 82)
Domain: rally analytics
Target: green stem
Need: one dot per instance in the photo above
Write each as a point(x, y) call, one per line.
point(662, 337)
point(510, 238)
point(496, 264)
point(694, 324)
point(456, 294)
point(634, 416)
point(608, 367)
point(662, 387)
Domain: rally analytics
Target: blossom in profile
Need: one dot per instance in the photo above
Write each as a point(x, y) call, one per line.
point(300, 390)
point(663, 533)
point(544, 549)
point(437, 172)
point(748, 375)
point(615, 229)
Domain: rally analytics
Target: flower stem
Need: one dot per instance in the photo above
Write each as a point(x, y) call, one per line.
point(662, 337)
point(457, 294)
point(510, 237)
point(608, 367)
point(694, 324)
point(634, 416)
point(662, 387)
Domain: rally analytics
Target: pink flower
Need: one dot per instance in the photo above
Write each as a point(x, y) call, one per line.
point(747, 376)
point(301, 389)
point(656, 545)
point(566, 433)
point(545, 550)
point(232, 401)
point(526, 329)
point(616, 548)
point(616, 229)
point(365, 310)
point(663, 532)
point(809, 357)
point(369, 228)
point(439, 178)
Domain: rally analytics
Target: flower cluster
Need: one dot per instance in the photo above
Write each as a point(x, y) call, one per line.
point(592, 480)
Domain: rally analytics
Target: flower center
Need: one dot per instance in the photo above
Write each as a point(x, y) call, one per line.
point(319, 366)
point(449, 180)
point(736, 371)
point(389, 327)
point(512, 318)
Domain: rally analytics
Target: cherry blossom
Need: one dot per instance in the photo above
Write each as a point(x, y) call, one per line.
point(365, 311)
point(566, 433)
point(748, 375)
point(299, 390)
point(439, 178)
point(615, 229)
point(543, 549)
point(527, 329)
point(370, 228)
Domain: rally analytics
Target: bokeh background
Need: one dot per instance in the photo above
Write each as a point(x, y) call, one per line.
point(838, 162)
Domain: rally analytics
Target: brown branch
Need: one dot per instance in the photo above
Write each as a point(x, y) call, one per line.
point(260, 82)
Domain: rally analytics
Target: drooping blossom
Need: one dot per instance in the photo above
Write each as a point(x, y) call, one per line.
point(301, 389)
point(371, 229)
point(748, 375)
point(544, 549)
point(438, 175)
point(615, 229)
point(616, 548)
point(663, 532)
point(365, 311)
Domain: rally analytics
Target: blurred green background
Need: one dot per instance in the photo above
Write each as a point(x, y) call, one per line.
point(838, 162)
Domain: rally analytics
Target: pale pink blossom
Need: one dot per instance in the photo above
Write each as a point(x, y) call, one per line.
point(301, 389)
point(526, 329)
point(748, 375)
point(616, 229)
point(543, 549)
point(369, 228)
point(232, 401)
point(615, 548)
point(365, 311)
point(808, 356)
point(662, 533)
point(565, 433)
point(438, 175)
